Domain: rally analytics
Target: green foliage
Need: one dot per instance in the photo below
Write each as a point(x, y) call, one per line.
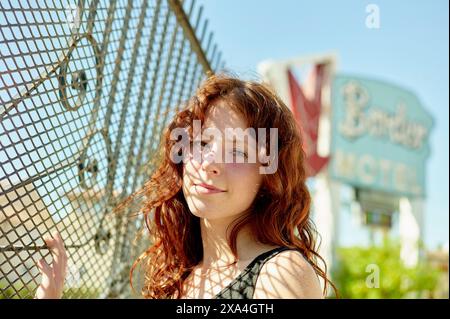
point(377, 272)
point(18, 291)
point(81, 293)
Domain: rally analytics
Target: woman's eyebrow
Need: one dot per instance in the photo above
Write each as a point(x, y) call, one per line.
point(245, 142)
point(234, 139)
point(207, 138)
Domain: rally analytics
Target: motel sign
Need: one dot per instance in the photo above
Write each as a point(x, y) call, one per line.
point(379, 137)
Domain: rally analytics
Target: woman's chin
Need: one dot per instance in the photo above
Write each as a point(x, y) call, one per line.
point(205, 213)
point(202, 214)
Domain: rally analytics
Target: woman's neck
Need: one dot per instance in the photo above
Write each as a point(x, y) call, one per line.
point(217, 252)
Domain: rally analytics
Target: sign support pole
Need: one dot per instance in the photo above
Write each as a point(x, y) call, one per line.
point(411, 229)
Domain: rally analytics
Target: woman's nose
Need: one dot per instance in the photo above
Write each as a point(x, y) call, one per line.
point(209, 163)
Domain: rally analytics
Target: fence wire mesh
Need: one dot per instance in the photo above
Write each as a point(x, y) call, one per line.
point(86, 88)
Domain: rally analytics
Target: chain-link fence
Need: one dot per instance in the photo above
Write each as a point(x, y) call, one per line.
point(85, 90)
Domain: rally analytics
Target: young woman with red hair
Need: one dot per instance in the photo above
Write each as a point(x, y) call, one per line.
point(225, 229)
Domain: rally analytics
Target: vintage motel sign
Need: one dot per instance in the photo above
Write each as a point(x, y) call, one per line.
point(379, 138)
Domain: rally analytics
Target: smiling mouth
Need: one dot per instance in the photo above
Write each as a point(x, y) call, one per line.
point(207, 189)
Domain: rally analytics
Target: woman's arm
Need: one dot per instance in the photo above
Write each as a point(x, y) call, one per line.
point(288, 275)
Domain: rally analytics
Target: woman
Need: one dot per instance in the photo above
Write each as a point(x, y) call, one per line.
point(236, 228)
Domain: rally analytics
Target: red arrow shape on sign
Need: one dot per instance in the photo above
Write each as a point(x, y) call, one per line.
point(307, 113)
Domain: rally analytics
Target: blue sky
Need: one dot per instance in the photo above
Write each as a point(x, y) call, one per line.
point(409, 49)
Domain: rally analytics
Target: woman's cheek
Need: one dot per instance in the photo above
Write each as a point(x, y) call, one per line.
point(192, 164)
point(237, 166)
point(242, 170)
point(246, 180)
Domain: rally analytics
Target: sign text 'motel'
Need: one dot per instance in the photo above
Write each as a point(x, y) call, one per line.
point(380, 136)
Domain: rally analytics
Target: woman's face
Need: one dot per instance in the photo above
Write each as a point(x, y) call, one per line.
point(237, 183)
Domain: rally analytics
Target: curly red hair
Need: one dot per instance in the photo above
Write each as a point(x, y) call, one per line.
point(279, 214)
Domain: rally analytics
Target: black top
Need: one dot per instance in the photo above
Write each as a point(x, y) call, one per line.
point(243, 286)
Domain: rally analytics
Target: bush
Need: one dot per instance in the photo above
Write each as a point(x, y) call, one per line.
point(377, 272)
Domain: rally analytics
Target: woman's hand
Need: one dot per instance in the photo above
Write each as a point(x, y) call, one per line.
point(52, 283)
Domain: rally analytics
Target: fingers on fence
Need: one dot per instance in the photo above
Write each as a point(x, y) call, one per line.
point(46, 272)
point(59, 265)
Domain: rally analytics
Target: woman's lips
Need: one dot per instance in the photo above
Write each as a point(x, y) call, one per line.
point(207, 189)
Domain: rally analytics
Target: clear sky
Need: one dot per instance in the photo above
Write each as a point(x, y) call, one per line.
point(410, 49)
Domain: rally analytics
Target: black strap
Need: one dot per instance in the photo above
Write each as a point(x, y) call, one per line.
point(243, 286)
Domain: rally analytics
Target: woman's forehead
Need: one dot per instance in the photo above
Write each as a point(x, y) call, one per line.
point(221, 115)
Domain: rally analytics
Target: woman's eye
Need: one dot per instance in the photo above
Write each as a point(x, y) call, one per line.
point(240, 153)
point(201, 143)
point(203, 146)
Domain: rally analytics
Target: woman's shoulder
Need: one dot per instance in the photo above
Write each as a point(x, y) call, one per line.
point(287, 274)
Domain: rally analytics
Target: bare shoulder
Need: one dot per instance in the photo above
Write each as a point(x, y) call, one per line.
point(288, 275)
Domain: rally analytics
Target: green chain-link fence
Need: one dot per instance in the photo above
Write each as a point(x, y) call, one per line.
point(85, 90)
